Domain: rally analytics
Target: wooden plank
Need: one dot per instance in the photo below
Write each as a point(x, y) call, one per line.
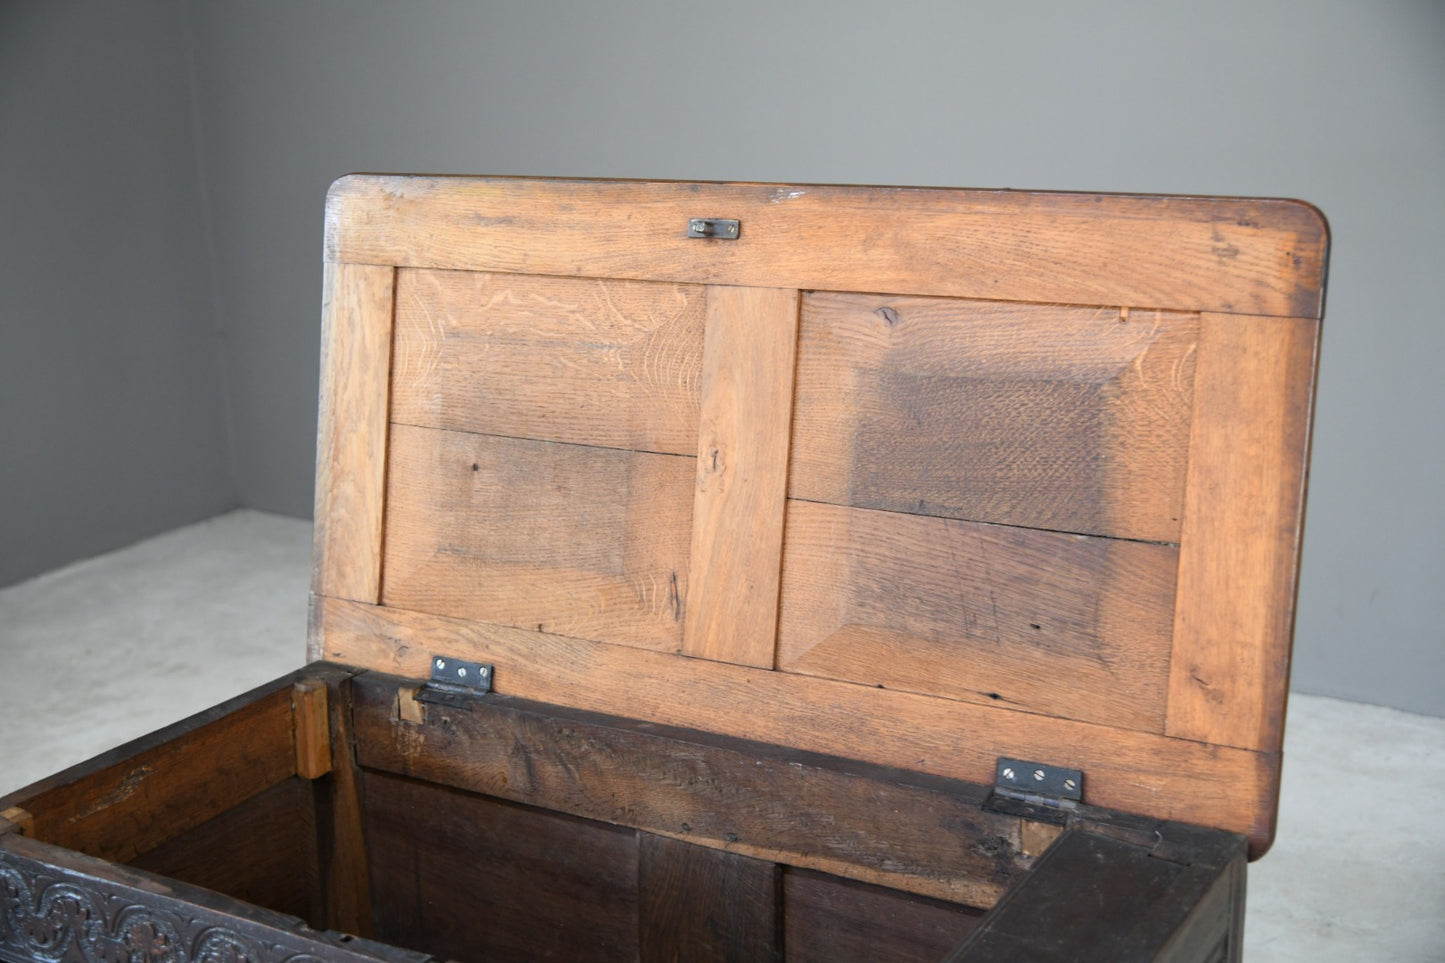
point(1046, 416)
point(262, 851)
point(351, 441)
point(742, 472)
point(136, 797)
point(466, 878)
point(313, 728)
point(829, 919)
point(65, 905)
point(1244, 507)
point(17, 820)
point(588, 542)
point(592, 362)
point(341, 837)
point(704, 905)
point(1133, 771)
point(903, 830)
point(1210, 254)
point(1094, 897)
point(1064, 625)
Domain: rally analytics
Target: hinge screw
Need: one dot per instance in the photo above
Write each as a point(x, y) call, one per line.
point(441, 664)
point(1008, 773)
point(1038, 775)
point(1069, 784)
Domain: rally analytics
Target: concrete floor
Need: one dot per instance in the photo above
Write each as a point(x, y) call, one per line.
point(108, 649)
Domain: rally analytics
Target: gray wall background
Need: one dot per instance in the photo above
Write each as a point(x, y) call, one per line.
point(164, 166)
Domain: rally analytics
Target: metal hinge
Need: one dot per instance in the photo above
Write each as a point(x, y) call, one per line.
point(455, 682)
point(1036, 790)
point(719, 227)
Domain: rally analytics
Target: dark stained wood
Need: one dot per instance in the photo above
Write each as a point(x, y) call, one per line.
point(1098, 897)
point(904, 830)
point(587, 542)
point(1064, 625)
point(467, 878)
point(1045, 416)
point(610, 363)
point(136, 797)
point(262, 851)
point(706, 906)
point(57, 900)
point(341, 840)
point(1185, 253)
point(828, 920)
point(1133, 771)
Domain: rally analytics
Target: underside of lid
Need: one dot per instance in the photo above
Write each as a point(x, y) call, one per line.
point(918, 477)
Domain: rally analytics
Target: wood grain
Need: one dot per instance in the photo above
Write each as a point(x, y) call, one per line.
point(1044, 416)
point(1201, 254)
point(341, 836)
point(829, 919)
point(898, 829)
point(587, 542)
point(313, 728)
point(1244, 507)
point(467, 878)
point(1065, 625)
point(1133, 771)
point(356, 318)
point(610, 363)
point(704, 905)
point(742, 472)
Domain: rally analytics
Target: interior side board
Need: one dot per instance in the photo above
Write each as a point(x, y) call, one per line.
point(864, 480)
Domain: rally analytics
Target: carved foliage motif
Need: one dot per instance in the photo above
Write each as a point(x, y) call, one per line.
point(47, 918)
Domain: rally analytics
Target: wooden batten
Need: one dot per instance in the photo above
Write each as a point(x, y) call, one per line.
point(911, 476)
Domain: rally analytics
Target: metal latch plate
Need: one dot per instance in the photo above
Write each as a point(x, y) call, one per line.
point(719, 227)
point(455, 681)
point(1036, 790)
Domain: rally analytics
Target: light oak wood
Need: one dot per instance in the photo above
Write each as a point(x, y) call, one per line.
point(20, 819)
point(742, 471)
point(1193, 254)
point(1045, 416)
point(351, 442)
point(1060, 624)
point(611, 363)
point(1139, 772)
point(587, 542)
point(1244, 506)
point(313, 728)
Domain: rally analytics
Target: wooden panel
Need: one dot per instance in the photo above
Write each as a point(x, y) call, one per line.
point(1237, 256)
point(613, 363)
point(313, 728)
point(904, 830)
point(465, 878)
point(1046, 416)
point(1065, 625)
point(1244, 505)
point(340, 835)
point(702, 905)
point(742, 472)
point(1133, 771)
point(134, 798)
point(223, 854)
point(588, 542)
point(351, 441)
point(829, 919)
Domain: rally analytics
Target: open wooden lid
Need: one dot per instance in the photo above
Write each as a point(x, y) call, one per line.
point(919, 477)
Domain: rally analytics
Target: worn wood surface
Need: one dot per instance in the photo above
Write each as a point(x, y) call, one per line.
point(356, 322)
point(829, 920)
point(466, 878)
point(1168, 778)
point(1210, 254)
point(610, 363)
point(706, 906)
point(1098, 897)
point(584, 541)
point(313, 728)
point(1046, 622)
point(904, 830)
point(742, 471)
point(1039, 415)
point(341, 835)
point(261, 851)
point(1244, 510)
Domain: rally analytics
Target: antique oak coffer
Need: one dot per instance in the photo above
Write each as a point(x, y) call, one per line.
point(747, 572)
